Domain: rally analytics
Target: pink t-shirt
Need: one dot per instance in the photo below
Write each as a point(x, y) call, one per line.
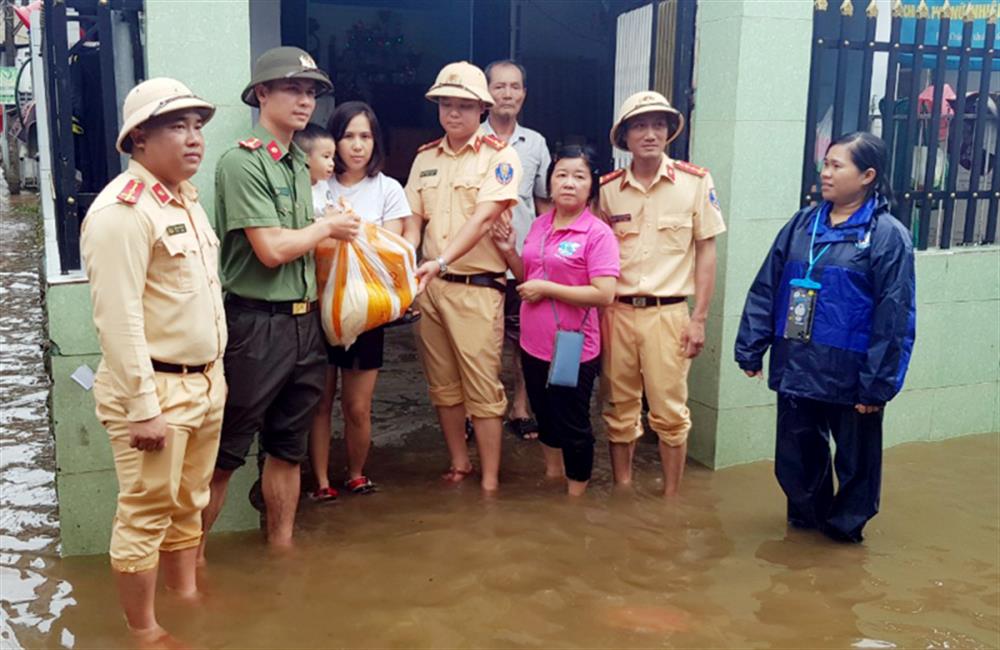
point(583, 250)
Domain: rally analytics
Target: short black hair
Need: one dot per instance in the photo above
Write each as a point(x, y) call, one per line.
point(513, 64)
point(307, 137)
point(588, 155)
point(337, 125)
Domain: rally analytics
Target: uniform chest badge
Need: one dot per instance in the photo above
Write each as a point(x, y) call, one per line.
point(428, 172)
point(177, 229)
point(504, 173)
point(568, 248)
point(620, 218)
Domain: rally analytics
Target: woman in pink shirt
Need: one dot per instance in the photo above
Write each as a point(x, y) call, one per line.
point(568, 270)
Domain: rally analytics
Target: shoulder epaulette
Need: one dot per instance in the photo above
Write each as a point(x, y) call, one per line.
point(494, 142)
point(695, 170)
point(251, 143)
point(131, 192)
point(610, 176)
point(429, 145)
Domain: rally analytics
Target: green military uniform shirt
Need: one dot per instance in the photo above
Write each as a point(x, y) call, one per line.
point(260, 184)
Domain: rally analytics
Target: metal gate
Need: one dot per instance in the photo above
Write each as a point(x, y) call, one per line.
point(943, 142)
point(69, 96)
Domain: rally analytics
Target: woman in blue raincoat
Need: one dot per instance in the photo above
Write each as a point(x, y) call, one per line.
point(835, 303)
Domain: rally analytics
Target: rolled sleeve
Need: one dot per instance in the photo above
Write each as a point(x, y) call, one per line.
point(116, 246)
point(495, 189)
point(708, 220)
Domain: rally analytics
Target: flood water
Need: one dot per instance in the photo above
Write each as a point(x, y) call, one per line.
point(427, 565)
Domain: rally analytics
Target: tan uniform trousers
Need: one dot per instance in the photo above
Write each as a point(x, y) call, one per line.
point(161, 493)
point(460, 338)
point(641, 351)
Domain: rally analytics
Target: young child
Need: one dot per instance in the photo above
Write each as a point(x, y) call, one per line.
point(320, 148)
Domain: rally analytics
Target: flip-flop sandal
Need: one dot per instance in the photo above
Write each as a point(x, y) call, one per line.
point(361, 485)
point(324, 495)
point(523, 428)
point(455, 475)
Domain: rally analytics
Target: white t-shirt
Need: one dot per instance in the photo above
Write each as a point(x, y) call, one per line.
point(377, 199)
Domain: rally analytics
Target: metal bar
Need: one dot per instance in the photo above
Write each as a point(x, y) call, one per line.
point(884, 46)
point(654, 7)
point(808, 155)
point(109, 94)
point(135, 40)
point(977, 141)
point(684, 72)
point(864, 98)
point(932, 130)
point(991, 214)
point(889, 100)
point(840, 85)
point(906, 202)
point(60, 115)
point(955, 138)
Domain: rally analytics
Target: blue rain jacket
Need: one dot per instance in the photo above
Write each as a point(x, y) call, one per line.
point(865, 319)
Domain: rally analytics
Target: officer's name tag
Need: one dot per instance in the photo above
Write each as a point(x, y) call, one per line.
point(177, 229)
point(283, 191)
point(801, 309)
point(428, 172)
point(620, 218)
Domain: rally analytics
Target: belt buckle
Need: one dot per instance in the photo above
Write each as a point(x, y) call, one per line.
point(299, 308)
point(639, 301)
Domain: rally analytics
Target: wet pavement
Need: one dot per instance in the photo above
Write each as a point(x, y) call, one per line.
point(427, 565)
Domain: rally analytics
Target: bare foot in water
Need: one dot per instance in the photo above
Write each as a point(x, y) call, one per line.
point(156, 638)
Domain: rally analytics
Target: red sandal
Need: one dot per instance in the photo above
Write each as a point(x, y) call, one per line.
point(324, 494)
point(361, 485)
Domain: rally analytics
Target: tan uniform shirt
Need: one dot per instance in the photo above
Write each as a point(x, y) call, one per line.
point(152, 260)
point(444, 187)
point(657, 228)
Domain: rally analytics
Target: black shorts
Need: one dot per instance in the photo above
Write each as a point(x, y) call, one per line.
point(364, 354)
point(512, 313)
point(276, 371)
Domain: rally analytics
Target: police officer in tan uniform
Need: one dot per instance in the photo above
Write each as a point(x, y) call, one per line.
point(152, 258)
point(459, 185)
point(666, 216)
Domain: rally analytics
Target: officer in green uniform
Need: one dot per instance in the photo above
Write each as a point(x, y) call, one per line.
point(275, 360)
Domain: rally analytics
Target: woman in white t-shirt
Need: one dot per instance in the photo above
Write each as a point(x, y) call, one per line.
point(380, 200)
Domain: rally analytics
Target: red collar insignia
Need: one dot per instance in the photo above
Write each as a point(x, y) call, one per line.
point(274, 150)
point(131, 193)
point(162, 195)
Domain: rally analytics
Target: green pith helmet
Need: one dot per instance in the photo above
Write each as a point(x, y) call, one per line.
point(285, 63)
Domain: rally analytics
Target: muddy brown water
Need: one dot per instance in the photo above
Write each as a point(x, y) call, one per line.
point(426, 565)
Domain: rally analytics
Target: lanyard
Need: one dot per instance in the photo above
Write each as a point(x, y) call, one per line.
point(812, 247)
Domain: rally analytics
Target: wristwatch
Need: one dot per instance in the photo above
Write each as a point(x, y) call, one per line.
point(442, 265)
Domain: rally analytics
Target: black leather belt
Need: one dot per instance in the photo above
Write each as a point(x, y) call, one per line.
point(296, 308)
point(478, 279)
point(650, 301)
point(178, 369)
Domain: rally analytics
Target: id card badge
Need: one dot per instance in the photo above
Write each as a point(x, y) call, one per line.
point(801, 309)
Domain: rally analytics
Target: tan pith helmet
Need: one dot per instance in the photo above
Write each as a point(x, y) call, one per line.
point(462, 80)
point(154, 97)
point(647, 101)
point(285, 63)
